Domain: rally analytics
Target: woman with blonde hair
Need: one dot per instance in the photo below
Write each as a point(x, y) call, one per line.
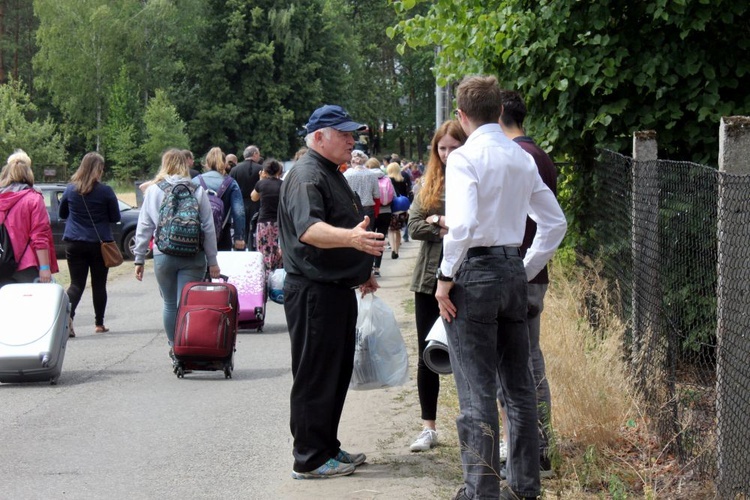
point(89, 208)
point(24, 215)
point(173, 271)
point(215, 176)
point(427, 223)
point(398, 220)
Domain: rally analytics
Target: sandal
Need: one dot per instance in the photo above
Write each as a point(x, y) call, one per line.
point(101, 329)
point(71, 332)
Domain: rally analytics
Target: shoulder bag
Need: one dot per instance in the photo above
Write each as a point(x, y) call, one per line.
point(110, 251)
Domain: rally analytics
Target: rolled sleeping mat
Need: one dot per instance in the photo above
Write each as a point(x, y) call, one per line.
point(436, 353)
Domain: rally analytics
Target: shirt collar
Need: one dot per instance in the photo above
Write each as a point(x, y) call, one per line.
point(487, 128)
point(322, 159)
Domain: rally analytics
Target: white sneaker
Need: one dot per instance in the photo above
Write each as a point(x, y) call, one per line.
point(426, 440)
point(503, 451)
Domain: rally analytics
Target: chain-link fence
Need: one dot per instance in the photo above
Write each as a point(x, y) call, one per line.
point(673, 239)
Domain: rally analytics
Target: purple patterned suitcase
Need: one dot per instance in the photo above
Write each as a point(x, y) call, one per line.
point(246, 272)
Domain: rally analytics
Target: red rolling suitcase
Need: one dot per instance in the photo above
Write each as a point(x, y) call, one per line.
point(206, 328)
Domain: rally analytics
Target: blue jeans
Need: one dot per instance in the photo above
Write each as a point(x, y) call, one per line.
point(172, 273)
point(487, 339)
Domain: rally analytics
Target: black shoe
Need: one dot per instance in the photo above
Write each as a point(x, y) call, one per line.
point(394, 255)
point(508, 494)
point(545, 469)
point(461, 494)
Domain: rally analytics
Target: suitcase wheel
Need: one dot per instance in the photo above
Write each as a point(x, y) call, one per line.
point(180, 371)
point(260, 329)
point(227, 372)
point(53, 381)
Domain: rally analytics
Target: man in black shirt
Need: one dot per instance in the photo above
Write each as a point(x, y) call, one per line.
point(327, 255)
point(247, 174)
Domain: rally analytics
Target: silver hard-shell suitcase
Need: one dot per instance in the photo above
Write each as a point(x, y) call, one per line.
point(33, 331)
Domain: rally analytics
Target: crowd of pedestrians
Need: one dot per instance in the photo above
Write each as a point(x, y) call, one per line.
point(485, 215)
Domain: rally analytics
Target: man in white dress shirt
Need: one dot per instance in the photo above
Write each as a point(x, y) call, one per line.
point(491, 185)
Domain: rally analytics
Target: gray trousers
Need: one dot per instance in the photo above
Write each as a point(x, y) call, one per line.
point(536, 294)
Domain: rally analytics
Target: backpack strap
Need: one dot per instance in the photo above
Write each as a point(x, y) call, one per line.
point(224, 186)
point(203, 183)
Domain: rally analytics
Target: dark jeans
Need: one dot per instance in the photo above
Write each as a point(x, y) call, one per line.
point(489, 337)
point(322, 321)
point(382, 222)
point(251, 207)
point(83, 256)
point(426, 311)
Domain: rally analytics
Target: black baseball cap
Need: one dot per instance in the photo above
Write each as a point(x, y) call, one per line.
point(333, 116)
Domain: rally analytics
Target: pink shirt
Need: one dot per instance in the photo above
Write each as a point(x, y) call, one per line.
point(25, 217)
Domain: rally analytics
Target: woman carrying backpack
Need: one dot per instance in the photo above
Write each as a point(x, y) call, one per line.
point(180, 260)
point(26, 224)
point(228, 200)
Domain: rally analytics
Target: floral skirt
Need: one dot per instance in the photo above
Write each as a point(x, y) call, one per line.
point(267, 241)
point(398, 221)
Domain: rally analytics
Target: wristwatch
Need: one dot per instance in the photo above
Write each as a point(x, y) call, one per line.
point(441, 277)
point(435, 219)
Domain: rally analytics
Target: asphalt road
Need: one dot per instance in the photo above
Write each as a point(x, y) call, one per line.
point(120, 424)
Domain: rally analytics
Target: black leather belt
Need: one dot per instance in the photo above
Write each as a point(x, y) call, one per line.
point(498, 250)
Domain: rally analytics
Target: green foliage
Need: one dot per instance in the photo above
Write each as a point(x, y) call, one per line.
point(164, 129)
point(120, 144)
point(80, 49)
point(594, 72)
point(21, 129)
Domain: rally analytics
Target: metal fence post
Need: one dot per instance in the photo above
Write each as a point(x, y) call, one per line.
point(733, 312)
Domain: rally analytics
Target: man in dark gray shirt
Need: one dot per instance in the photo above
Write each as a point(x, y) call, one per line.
point(327, 255)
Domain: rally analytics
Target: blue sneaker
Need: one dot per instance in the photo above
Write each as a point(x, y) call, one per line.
point(356, 459)
point(332, 468)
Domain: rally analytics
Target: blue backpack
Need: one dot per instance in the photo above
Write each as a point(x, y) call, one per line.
point(178, 231)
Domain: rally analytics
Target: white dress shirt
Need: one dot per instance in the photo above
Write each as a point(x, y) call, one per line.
point(491, 184)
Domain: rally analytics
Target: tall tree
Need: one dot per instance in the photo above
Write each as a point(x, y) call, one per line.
point(120, 132)
point(80, 52)
point(262, 67)
point(164, 129)
point(17, 47)
point(21, 129)
point(392, 90)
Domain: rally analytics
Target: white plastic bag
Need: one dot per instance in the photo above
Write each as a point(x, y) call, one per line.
point(380, 358)
point(276, 285)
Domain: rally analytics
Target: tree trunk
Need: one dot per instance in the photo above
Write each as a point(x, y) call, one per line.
point(17, 47)
point(2, 40)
